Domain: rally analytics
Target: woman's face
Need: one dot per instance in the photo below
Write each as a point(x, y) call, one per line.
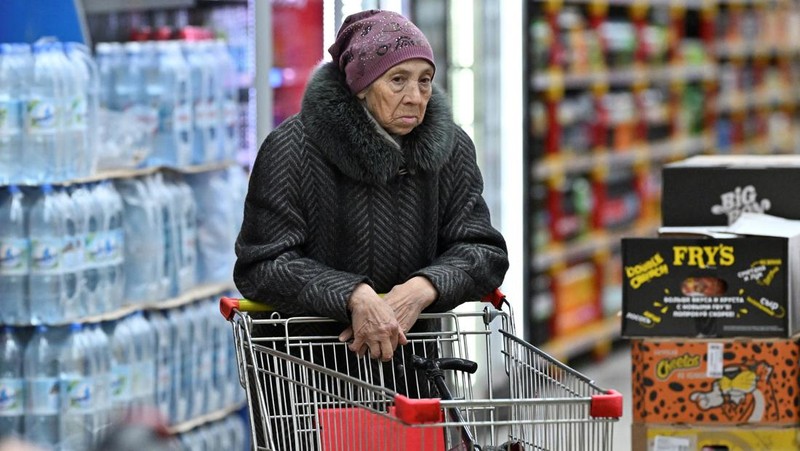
point(399, 97)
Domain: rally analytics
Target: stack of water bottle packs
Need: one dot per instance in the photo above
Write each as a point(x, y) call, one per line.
point(64, 114)
point(91, 266)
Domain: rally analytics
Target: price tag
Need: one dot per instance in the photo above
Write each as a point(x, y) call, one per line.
point(714, 358)
point(664, 443)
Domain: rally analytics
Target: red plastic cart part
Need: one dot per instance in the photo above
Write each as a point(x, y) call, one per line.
point(417, 411)
point(607, 405)
point(228, 305)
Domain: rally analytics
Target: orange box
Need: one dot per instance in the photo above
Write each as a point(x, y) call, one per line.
point(716, 382)
point(732, 438)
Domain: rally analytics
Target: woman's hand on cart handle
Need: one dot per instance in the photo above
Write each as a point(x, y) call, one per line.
point(374, 326)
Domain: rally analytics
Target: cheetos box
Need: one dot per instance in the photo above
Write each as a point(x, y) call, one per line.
point(715, 382)
point(716, 189)
point(742, 280)
point(646, 437)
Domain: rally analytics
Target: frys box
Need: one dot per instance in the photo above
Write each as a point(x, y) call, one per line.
point(715, 382)
point(742, 280)
point(646, 437)
point(716, 189)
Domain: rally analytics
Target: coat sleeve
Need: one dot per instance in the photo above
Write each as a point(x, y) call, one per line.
point(472, 259)
point(270, 264)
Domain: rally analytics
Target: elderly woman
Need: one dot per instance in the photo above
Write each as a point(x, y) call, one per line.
point(371, 188)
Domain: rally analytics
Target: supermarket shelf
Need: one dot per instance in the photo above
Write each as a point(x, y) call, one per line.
point(741, 101)
point(584, 340)
point(134, 172)
point(687, 4)
point(186, 426)
point(111, 6)
point(588, 246)
point(192, 295)
point(624, 77)
point(670, 149)
point(746, 50)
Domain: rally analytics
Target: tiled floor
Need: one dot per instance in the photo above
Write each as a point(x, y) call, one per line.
point(614, 372)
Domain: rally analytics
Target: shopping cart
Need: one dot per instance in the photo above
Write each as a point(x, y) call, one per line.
point(470, 385)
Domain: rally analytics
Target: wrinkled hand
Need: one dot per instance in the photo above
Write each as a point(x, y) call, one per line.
point(374, 327)
point(409, 299)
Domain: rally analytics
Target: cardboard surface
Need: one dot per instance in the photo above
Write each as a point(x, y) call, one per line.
point(715, 382)
point(741, 280)
point(715, 190)
point(674, 438)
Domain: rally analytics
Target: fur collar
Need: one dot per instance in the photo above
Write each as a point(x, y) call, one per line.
point(341, 128)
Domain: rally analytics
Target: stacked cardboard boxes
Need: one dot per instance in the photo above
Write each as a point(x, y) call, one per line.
point(712, 306)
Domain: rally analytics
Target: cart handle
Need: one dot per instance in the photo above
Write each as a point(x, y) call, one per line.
point(227, 304)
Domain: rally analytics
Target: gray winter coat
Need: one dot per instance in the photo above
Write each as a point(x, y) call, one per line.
point(332, 203)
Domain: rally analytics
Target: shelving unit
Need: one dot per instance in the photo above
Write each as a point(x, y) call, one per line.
point(615, 89)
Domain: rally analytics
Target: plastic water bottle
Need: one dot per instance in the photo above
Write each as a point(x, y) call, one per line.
point(42, 156)
point(43, 390)
point(143, 258)
point(88, 261)
point(200, 85)
point(111, 243)
point(14, 257)
point(120, 390)
point(45, 283)
point(131, 85)
point(221, 381)
point(164, 355)
point(164, 200)
point(213, 101)
point(101, 357)
point(143, 362)
point(174, 137)
point(203, 356)
point(229, 115)
point(186, 218)
point(81, 56)
point(183, 363)
point(72, 255)
point(12, 94)
point(11, 383)
point(76, 419)
point(215, 227)
point(73, 112)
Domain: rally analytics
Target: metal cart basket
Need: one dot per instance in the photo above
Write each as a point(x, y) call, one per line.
point(307, 392)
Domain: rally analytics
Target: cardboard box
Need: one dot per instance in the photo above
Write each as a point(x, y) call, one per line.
point(735, 438)
point(741, 280)
point(716, 382)
point(716, 189)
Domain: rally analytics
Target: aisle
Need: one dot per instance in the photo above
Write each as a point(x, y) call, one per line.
point(614, 372)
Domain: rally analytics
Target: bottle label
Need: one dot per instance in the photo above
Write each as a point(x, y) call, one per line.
point(94, 249)
point(120, 383)
point(230, 113)
point(10, 117)
point(14, 256)
point(42, 115)
point(183, 117)
point(46, 255)
point(78, 111)
point(11, 402)
point(43, 396)
point(78, 394)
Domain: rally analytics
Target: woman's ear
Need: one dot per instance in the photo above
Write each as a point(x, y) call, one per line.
point(363, 94)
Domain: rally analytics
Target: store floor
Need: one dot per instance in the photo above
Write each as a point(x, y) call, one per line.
point(614, 372)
